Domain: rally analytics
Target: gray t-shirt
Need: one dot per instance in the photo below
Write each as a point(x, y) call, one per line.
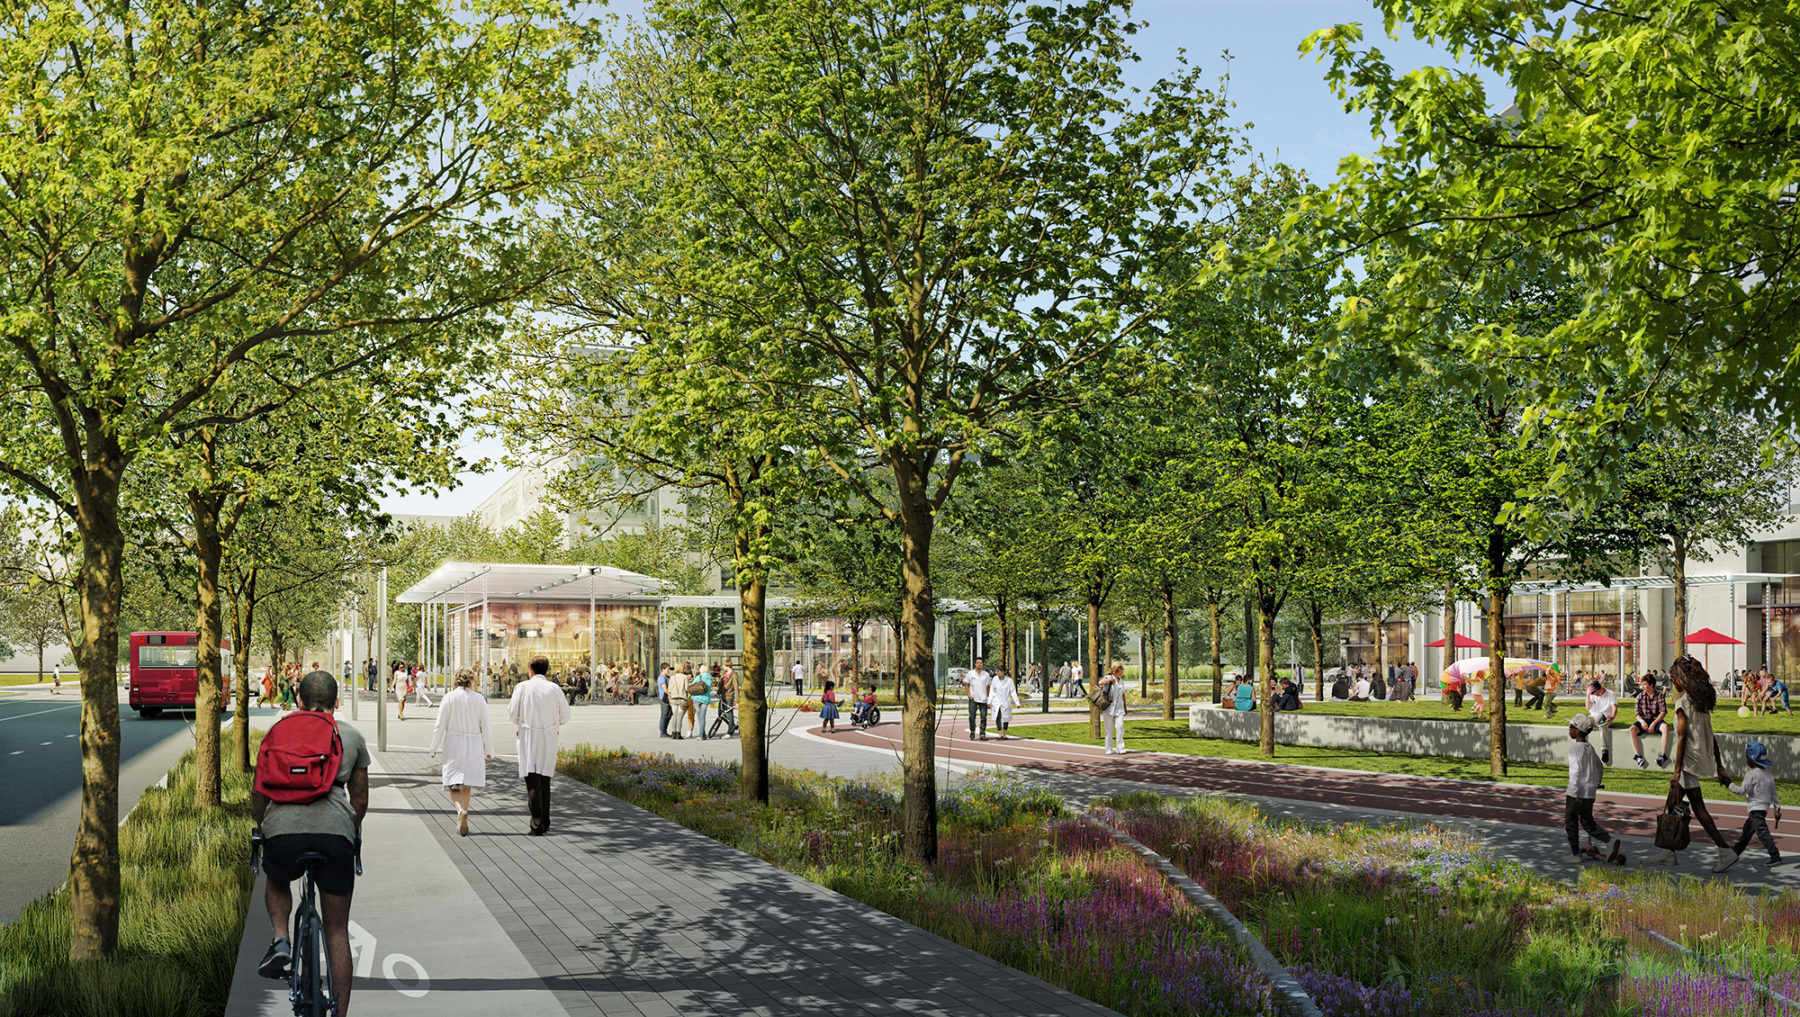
point(331, 814)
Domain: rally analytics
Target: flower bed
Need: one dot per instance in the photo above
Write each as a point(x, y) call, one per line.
point(1016, 879)
point(1379, 921)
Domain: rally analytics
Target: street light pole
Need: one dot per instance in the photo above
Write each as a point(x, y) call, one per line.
point(381, 672)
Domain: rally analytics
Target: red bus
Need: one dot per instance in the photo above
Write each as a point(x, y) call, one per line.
point(162, 671)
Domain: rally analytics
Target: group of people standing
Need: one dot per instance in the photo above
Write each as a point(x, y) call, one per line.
point(686, 693)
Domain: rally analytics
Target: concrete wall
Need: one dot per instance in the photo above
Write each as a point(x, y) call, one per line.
point(1537, 743)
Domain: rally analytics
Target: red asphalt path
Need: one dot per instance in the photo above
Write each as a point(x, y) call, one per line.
point(1424, 796)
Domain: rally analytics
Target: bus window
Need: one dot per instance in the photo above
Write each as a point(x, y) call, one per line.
point(167, 656)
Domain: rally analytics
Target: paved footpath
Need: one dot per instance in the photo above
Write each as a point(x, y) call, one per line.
point(1522, 822)
point(621, 913)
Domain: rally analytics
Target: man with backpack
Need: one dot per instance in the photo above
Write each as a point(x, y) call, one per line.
point(311, 792)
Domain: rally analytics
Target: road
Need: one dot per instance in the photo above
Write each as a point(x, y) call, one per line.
point(40, 783)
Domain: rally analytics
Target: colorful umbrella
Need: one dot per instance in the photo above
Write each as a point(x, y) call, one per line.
point(1518, 669)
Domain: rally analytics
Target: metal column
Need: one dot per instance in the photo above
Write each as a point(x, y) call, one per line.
point(381, 627)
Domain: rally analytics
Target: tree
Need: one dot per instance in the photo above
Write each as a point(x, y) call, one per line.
point(178, 212)
point(1714, 481)
point(1648, 146)
point(34, 600)
point(846, 568)
point(941, 209)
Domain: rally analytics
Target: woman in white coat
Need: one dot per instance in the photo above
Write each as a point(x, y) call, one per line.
point(466, 740)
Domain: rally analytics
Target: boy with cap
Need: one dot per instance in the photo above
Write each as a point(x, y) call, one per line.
point(1584, 783)
point(1759, 789)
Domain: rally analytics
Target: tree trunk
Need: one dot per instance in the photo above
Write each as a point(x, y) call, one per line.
point(753, 714)
point(94, 863)
point(1497, 683)
point(1171, 651)
point(1315, 625)
point(1218, 667)
point(1095, 660)
point(1144, 659)
point(1044, 648)
point(1449, 653)
point(1266, 609)
point(1000, 619)
point(1678, 565)
point(918, 765)
point(856, 627)
point(243, 619)
point(1381, 657)
point(209, 689)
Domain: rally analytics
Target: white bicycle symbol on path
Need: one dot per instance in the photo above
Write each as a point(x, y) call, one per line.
point(362, 949)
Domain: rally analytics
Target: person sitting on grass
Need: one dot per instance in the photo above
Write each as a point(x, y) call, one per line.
point(1651, 718)
point(1378, 687)
point(1359, 693)
point(1402, 691)
point(1340, 688)
point(1244, 695)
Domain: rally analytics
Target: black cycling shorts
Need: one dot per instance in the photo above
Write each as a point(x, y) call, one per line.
point(336, 875)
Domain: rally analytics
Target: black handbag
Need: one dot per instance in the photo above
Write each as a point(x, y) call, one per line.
point(1672, 827)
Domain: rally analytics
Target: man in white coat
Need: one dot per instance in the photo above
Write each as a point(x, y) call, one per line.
point(539, 709)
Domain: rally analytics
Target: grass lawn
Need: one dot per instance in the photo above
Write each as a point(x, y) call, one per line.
point(9, 680)
point(1174, 736)
point(1725, 717)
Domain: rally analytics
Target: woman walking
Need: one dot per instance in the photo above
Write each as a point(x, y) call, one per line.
point(1696, 754)
point(1112, 719)
point(463, 735)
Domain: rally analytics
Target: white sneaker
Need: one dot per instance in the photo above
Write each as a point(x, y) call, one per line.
point(1660, 856)
point(1727, 858)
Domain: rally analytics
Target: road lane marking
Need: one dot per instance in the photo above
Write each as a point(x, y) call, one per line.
point(16, 752)
point(53, 709)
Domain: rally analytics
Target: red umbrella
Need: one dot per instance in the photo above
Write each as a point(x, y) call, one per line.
point(1592, 639)
point(1462, 643)
point(1710, 638)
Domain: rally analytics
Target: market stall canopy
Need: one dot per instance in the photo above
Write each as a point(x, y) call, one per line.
point(1593, 639)
point(458, 582)
point(1462, 643)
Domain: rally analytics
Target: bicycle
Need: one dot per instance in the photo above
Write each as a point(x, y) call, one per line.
point(309, 970)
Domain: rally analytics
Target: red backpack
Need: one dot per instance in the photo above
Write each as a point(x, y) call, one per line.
point(299, 758)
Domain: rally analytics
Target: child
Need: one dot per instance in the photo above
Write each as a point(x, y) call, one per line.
point(1578, 807)
point(1758, 789)
point(1603, 706)
point(1778, 690)
point(1003, 694)
point(828, 708)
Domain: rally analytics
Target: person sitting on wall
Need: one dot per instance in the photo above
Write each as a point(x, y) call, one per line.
point(1289, 699)
point(1244, 696)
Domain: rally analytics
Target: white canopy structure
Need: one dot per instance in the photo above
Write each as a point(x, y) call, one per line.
point(459, 582)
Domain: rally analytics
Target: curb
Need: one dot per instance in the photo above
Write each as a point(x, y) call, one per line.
point(1287, 989)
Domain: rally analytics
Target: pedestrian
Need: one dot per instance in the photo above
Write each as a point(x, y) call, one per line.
point(1077, 678)
point(1062, 680)
point(1578, 805)
point(372, 671)
point(56, 679)
point(268, 686)
point(1650, 717)
point(1112, 717)
point(538, 709)
point(977, 685)
point(799, 675)
point(663, 678)
point(701, 689)
point(828, 708)
point(401, 687)
point(1758, 790)
point(1696, 754)
point(678, 701)
point(1603, 706)
point(463, 735)
point(1003, 695)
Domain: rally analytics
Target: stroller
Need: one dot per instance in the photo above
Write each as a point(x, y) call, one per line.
point(865, 715)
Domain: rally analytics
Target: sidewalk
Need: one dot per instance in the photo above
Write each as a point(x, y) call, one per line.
point(616, 912)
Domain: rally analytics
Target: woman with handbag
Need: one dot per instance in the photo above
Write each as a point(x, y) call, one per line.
point(1696, 759)
point(1112, 715)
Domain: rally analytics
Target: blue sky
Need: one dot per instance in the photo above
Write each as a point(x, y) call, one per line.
point(1296, 117)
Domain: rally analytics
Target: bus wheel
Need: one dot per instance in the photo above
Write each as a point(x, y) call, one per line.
point(149, 712)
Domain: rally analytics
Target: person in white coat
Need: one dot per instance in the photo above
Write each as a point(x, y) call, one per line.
point(1003, 695)
point(466, 740)
point(538, 708)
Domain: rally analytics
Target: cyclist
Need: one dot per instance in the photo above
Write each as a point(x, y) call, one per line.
point(329, 826)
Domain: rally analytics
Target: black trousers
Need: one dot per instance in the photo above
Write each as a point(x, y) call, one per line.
point(662, 726)
point(1578, 815)
point(977, 708)
point(1757, 826)
point(537, 799)
point(1537, 699)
